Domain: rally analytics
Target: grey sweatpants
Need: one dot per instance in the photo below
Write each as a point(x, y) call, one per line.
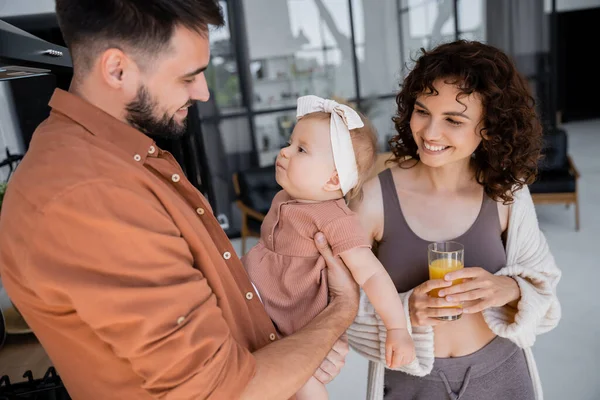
point(498, 371)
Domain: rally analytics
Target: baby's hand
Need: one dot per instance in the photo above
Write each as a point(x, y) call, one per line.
point(399, 348)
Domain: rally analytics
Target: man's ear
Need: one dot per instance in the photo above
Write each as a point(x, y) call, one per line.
point(119, 71)
point(333, 184)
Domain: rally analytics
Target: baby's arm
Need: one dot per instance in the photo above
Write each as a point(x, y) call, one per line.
point(371, 275)
point(378, 286)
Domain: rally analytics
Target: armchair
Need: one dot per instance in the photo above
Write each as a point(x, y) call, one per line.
point(558, 176)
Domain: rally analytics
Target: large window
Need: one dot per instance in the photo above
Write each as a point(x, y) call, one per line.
point(342, 49)
point(299, 47)
point(272, 51)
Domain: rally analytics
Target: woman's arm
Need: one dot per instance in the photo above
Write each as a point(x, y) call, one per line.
point(531, 264)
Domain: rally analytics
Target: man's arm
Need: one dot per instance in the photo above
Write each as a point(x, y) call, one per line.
point(284, 366)
point(128, 274)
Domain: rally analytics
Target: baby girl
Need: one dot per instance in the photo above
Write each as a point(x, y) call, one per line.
point(330, 155)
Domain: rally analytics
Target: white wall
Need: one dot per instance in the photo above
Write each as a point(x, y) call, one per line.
point(9, 8)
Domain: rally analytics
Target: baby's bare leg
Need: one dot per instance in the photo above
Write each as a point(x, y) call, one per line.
point(312, 390)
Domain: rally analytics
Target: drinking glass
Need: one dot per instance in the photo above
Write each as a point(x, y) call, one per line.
point(445, 257)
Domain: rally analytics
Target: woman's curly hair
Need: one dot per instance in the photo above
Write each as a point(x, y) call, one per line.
point(508, 155)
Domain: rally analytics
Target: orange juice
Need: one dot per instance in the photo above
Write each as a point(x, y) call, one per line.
point(440, 267)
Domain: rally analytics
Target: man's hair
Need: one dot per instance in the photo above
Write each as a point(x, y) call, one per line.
point(142, 27)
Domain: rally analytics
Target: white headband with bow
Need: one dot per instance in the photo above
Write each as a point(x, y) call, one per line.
point(343, 119)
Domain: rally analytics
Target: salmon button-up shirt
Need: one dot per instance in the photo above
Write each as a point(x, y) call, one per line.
point(120, 268)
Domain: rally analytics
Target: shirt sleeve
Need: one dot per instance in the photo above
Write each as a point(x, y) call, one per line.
point(345, 233)
point(116, 258)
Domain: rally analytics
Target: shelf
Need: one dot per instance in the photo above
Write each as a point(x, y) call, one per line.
point(291, 78)
point(276, 105)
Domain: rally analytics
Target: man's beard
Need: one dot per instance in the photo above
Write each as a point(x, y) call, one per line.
point(141, 114)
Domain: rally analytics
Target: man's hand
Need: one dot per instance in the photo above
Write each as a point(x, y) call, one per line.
point(342, 287)
point(333, 363)
point(285, 365)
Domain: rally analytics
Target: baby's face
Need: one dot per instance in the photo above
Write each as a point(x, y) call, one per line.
point(305, 166)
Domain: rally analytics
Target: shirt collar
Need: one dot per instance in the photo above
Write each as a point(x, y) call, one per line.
point(103, 125)
point(286, 199)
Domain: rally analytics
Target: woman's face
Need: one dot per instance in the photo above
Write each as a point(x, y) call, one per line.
point(445, 130)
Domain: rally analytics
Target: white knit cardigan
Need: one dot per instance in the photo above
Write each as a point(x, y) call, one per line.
point(528, 261)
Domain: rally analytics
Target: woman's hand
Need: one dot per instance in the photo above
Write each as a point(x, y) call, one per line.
point(424, 309)
point(480, 289)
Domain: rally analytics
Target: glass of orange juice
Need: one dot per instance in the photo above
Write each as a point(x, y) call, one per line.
point(445, 257)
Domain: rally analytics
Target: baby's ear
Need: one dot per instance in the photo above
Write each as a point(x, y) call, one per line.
point(333, 183)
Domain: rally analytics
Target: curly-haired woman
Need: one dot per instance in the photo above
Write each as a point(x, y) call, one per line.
point(468, 143)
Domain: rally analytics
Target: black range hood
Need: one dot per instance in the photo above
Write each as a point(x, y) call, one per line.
point(18, 47)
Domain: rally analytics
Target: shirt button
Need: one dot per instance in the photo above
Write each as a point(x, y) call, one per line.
point(227, 255)
point(249, 295)
point(180, 320)
point(200, 211)
point(272, 337)
point(151, 150)
point(175, 178)
point(137, 157)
